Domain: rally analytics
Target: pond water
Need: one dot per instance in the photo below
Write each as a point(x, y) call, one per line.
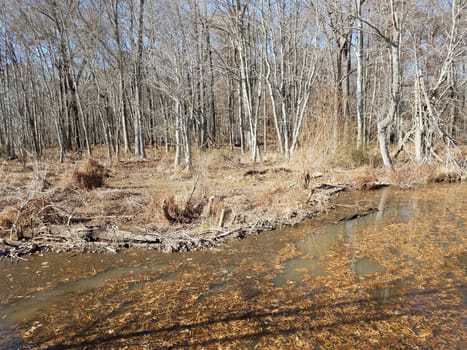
point(395, 278)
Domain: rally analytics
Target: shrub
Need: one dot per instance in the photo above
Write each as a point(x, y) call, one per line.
point(89, 175)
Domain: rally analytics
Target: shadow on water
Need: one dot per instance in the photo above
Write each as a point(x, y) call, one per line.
point(289, 311)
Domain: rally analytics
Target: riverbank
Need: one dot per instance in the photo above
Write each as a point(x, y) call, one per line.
point(91, 206)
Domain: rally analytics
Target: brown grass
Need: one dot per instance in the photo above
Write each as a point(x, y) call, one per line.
point(413, 174)
point(135, 192)
point(365, 178)
point(89, 175)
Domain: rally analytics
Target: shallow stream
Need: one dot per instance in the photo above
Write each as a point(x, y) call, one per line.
point(395, 278)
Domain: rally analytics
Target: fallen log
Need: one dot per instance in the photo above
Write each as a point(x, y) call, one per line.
point(95, 234)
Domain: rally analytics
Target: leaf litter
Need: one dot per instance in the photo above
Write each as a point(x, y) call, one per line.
point(417, 302)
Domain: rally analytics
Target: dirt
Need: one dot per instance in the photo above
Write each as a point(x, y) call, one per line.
point(146, 204)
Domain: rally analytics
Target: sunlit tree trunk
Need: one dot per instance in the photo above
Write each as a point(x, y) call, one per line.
point(360, 92)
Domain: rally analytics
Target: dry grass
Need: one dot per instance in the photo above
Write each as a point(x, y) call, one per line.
point(137, 191)
point(410, 174)
point(271, 195)
point(365, 178)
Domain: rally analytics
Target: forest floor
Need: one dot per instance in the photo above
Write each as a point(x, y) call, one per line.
point(146, 204)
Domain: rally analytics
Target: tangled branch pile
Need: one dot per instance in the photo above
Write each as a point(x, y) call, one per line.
point(45, 208)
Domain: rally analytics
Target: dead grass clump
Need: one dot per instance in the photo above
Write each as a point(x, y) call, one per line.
point(365, 178)
point(174, 213)
point(89, 175)
point(23, 218)
point(271, 195)
point(411, 174)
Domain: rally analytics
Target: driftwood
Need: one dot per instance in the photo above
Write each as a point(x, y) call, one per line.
point(95, 234)
point(372, 185)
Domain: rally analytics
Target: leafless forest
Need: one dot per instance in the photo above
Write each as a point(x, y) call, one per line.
point(263, 76)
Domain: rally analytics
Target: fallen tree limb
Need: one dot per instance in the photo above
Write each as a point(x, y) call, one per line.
point(359, 215)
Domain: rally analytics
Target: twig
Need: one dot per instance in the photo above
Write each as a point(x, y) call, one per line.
point(192, 191)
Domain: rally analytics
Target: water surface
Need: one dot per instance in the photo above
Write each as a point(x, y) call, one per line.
point(393, 278)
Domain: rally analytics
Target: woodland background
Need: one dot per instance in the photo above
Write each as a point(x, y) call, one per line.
point(339, 76)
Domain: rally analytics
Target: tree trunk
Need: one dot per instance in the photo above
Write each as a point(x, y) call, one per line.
point(139, 135)
point(360, 79)
point(395, 90)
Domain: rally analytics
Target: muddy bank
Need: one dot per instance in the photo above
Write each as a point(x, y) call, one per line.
point(79, 236)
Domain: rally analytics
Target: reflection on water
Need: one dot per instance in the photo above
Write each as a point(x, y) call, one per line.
point(297, 268)
point(383, 295)
point(365, 266)
point(392, 279)
point(317, 245)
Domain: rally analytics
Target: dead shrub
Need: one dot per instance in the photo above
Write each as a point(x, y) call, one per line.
point(22, 218)
point(36, 212)
point(89, 175)
point(182, 215)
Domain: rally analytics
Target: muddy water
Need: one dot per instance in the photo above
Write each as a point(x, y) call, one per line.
point(393, 278)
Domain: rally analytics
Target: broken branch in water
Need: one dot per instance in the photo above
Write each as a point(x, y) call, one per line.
point(359, 215)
